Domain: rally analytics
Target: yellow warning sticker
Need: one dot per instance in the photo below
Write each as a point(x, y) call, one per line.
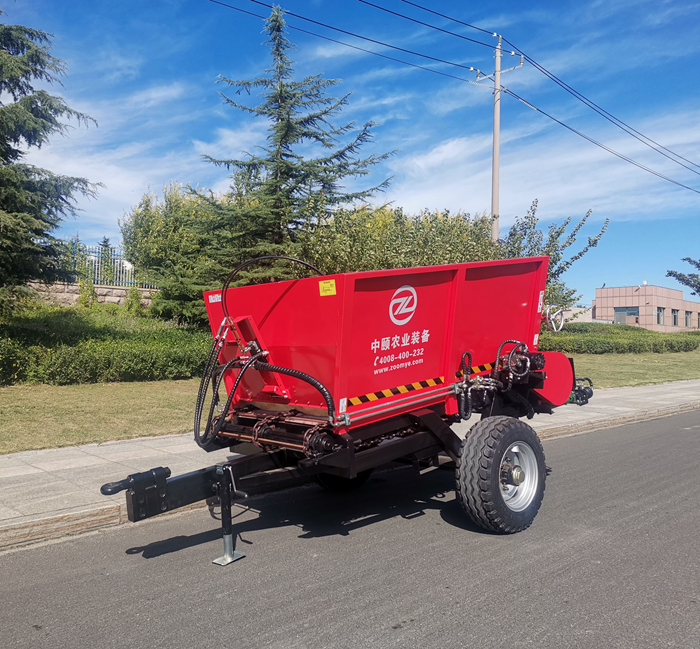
point(326, 287)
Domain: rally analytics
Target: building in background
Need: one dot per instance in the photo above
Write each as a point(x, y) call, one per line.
point(651, 307)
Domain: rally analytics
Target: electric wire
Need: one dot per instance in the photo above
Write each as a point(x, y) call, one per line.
point(365, 38)
point(644, 139)
point(602, 146)
point(503, 89)
point(437, 13)
point(362, 49)
point(420, 22)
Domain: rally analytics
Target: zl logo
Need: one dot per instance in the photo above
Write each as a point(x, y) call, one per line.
point(403, 305)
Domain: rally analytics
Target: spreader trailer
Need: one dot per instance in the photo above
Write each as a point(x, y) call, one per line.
point(331, 376)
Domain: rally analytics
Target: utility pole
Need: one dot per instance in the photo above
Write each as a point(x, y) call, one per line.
point(495, 160)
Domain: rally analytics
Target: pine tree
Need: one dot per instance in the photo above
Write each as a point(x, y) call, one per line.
point(286, 189)
point(33, 201)
point(691, 280)
point(106, 267)
point(274, 195)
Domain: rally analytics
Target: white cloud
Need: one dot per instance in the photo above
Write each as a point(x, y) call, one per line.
point(156, 95)
point(566, 173)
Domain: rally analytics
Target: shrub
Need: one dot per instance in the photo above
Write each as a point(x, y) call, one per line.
point(595, 338)
point(132, 303)
point(88, 295)
point(73, 345)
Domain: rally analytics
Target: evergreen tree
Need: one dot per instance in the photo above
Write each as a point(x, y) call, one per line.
point(292, 189)
point(275, 193)
point(691, 280)
point(33, 201)
point(106, 273)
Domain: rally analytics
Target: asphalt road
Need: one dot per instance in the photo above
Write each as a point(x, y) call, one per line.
point(612, 560)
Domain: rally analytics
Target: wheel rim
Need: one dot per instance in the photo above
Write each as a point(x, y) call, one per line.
point(519, 497)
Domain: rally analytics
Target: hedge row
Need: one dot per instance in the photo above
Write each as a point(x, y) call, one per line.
point(618, 342)
point(97, 361)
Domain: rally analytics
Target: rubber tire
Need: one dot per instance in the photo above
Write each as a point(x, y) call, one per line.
point(478, 479)
point(336, 484)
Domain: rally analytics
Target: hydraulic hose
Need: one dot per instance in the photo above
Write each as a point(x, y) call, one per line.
point(215, 396)
point(219, 424)
point(207, 373)
point(266, 367)
point(466, 369)
point(240, 267)
point(464, 400)
point(520, 375)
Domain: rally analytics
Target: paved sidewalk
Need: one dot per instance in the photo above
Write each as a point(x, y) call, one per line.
point(49, 494)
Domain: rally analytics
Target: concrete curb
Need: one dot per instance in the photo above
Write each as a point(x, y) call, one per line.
point(612, 422)
point(22, 534)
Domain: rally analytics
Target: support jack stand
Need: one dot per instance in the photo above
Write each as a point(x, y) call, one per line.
point(227, 488)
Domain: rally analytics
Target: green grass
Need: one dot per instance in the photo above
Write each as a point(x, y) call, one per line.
point(617, 370)
point(49, 416)
point(596, 338)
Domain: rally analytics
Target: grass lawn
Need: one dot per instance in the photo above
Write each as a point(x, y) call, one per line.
point(617, 370)
point(47, 416)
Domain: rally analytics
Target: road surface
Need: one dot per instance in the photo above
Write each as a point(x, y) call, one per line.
point(612, 560)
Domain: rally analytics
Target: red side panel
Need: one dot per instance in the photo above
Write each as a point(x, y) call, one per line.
point(560, 378)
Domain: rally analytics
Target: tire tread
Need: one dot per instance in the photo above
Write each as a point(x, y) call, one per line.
point(474, 468)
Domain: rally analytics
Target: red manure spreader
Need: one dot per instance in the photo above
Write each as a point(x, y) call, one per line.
point(332, 376)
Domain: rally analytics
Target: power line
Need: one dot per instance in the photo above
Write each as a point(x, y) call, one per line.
point(644, 139)
point(506, 90)
point(361, 49)
point(605, 114)
point(413, 4)
point(420, 22)
point(602, 146)
point(365, 38)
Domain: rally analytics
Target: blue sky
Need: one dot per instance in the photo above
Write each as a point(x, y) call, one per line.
point(146, 72)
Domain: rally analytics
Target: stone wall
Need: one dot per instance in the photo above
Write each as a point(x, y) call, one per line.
point(66, 294)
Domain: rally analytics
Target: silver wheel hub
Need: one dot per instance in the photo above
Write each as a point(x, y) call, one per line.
point(519, 476)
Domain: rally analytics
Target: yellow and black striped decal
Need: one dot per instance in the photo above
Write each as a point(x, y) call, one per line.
point(401, 389)
point(477, 369)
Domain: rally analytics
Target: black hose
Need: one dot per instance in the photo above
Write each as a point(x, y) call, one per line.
point(464, 400)
point(240, 267)
point(467, 370)
point(520, 375)
point(220, 423)
point(464, 403)
point(262, 366)
point(215, 397)
point(498, 355)
point(203, 387)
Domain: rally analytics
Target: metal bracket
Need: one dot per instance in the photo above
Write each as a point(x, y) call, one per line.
point(442, 433)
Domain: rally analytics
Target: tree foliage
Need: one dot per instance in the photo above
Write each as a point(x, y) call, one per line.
point(525, 239)
point(166, 240)
point(367, 238)
point(691, 280)
point(290, 184)
point(33, 201)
